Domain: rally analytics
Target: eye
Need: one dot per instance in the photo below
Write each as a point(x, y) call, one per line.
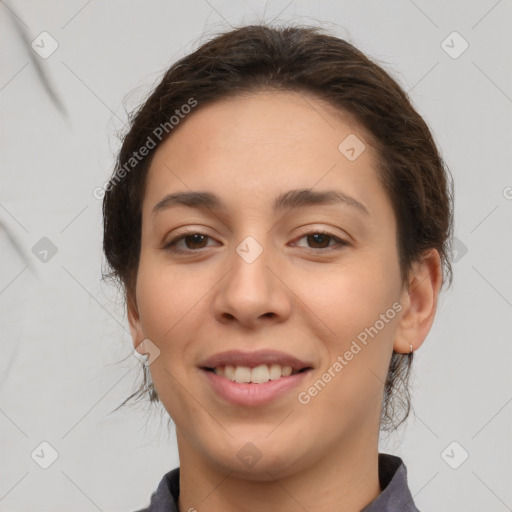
point(192, 241)
point(320, 238)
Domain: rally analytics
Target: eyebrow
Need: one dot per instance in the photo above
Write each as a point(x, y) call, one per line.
point(287, 200)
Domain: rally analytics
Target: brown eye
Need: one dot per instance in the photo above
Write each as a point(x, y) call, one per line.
point(320, 240)
point(192, 242)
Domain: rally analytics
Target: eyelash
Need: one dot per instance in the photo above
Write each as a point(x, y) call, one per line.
point(171, 245)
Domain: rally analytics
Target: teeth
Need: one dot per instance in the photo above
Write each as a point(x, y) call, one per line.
point(242, 374)
point(259, 374)
point(275, 371)
point(256, 375)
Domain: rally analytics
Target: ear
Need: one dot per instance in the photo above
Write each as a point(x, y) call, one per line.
point(134, 320)
point(419, 301)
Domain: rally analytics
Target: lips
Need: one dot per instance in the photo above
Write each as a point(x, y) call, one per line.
point(217, 370)
point(253, 359)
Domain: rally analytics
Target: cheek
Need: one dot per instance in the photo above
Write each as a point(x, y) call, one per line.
point(350, 297)
point(170, 310)
point(164, 297)
point(173, 301)
point(355, 307)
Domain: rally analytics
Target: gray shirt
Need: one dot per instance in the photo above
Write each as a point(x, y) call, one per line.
point(395, 495)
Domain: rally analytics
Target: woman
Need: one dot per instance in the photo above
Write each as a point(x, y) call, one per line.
point(280, 219)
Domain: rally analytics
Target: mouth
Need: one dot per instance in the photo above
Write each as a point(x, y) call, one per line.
point(255, 367)
point(258, 386)
point(257, 374)
point(257, 378)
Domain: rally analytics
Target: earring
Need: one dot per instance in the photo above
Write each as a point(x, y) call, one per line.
point(411, 348)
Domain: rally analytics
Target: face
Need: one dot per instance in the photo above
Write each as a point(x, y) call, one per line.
point(319, 281)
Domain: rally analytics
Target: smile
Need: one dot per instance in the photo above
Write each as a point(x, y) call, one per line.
point(236, 386)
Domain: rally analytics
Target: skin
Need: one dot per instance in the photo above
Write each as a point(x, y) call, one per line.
point(301, 296)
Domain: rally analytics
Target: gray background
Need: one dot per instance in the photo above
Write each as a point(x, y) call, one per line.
point(64, 332)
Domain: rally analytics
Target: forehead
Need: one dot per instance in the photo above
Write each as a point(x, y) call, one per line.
point(253, 146)
point(265, 120)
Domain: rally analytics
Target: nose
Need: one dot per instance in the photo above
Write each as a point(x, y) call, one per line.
point(252, 292)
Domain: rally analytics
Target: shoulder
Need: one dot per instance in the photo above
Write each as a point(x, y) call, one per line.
point(395, 493)
point(165, 497)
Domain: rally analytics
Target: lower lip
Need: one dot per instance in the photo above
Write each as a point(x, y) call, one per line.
point(250, 394)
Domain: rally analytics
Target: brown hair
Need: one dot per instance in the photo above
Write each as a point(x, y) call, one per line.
point(301, 59)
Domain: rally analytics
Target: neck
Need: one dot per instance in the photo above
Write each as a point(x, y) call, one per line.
point(344, 479)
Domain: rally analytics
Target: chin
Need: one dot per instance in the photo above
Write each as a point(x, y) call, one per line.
point(261, 460)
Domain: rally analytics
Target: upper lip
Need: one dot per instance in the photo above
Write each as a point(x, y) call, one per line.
point(252, 359)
